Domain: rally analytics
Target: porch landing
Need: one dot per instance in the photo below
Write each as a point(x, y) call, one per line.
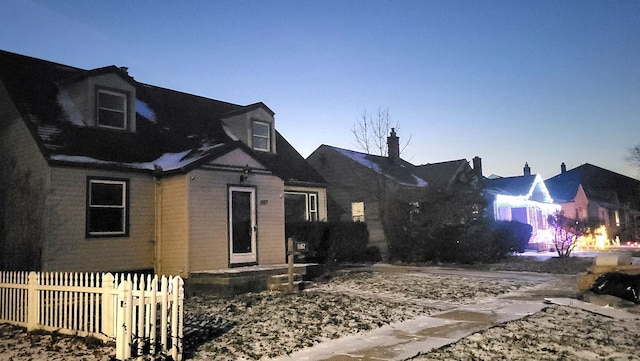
point(233, 281)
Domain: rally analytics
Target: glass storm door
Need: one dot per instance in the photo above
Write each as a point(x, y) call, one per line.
point(242, 225)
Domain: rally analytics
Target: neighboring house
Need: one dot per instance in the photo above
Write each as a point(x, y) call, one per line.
point(118, 175)
point(592, 193)
point(525, 199)
point(359, 184)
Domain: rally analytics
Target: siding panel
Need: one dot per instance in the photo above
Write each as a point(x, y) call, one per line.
point(209, 218)
point(174, 226)
point(68, 249)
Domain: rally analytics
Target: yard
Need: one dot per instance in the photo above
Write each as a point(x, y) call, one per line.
point(265, 325)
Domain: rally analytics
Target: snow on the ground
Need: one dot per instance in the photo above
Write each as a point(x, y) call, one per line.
point(16, 344)
point(270, 324)
point(556, 333)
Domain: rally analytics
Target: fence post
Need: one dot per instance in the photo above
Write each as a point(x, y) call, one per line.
point(164, 307)
point(177, 318)
point(154, 315)
point(33, 301)
point(290, 261)
point(124, 317)
point(107, 305)
point(140, 337)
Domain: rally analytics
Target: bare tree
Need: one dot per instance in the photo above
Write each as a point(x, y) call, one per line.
point(566, 233)
point(370, 132)
point(634, 156)
point(21, 212)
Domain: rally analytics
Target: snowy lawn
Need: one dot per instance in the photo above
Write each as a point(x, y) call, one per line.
point(272, 324)
point(556, 333)
point(267, 324)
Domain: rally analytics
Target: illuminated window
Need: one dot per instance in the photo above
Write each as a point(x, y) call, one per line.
point(357, 211)
point(107, 207)
point(261, 139)
point(112, 109)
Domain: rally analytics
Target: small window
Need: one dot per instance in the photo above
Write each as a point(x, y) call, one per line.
point(357, 211)
point(313, 207)
point(261, 139)
point(112, 109)
point(107, 207)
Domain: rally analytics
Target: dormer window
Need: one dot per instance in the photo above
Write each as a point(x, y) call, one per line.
point(261, 136)
point(112, 109)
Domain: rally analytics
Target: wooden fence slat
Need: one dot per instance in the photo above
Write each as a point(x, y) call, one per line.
point(84, 304)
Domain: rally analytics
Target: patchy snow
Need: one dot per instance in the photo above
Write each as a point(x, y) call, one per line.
point(171, 161)
point(70, 109)
point(143, 109)
point(419, 181)
point(270, 324)
point(556, 333)
point(166, 162)
point(360, 158)
point(229, 132)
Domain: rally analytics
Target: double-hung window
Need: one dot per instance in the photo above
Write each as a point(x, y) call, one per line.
point(357, 211)
point(300, 207)
point(112, 109)
point(107, 207)
point(261, 136)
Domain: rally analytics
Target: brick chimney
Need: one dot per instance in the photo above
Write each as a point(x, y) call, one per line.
point(563, 168)
point(477, 166)
point(393, 144)
point(527, 170)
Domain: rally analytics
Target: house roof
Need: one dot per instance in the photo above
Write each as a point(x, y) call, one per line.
point(525, 187)
point(599, 184)
point(289, 164)
point(512, 186)
point(400, 171)
point(170, 125)
point(442, 173)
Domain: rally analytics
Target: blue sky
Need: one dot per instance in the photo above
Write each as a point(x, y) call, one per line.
point(542, 82)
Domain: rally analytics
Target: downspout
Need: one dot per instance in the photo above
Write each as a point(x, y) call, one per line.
point(158, 227)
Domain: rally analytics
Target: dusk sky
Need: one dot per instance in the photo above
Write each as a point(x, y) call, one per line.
point(542, 82)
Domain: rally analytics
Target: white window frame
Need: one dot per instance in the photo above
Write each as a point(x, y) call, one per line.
point(311, 205)
point(124, 207)
point(261, 136)
point(124, 111)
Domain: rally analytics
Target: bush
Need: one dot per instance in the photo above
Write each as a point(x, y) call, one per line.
point(474, 242)
point(511, 236)
point(330, 242)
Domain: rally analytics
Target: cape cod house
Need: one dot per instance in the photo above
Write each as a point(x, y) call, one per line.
point(588, 192)
point(359, 184)
point(103, 173)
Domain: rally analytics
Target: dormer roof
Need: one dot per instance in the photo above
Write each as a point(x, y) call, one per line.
point(170, 125)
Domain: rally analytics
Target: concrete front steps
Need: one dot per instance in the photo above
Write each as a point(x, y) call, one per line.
point(280, 282)
point(234, 281)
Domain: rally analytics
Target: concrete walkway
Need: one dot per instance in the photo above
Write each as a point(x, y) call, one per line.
point(404, 340)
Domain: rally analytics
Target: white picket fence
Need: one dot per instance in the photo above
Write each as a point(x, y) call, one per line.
point(144, 315)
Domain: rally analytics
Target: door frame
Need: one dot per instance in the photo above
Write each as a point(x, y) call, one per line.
point(238, 259)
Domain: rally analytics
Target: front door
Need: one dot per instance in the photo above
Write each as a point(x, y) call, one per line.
point(242, 225)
